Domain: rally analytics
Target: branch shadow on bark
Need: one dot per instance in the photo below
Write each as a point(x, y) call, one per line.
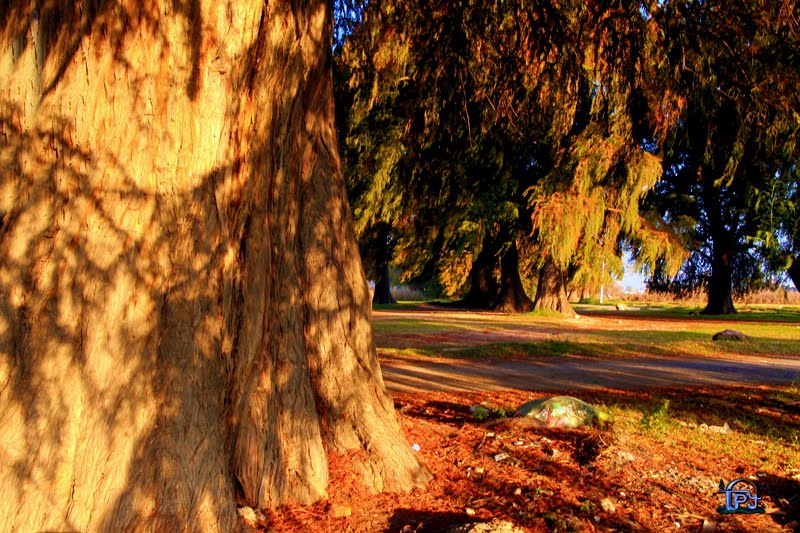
point(169, 349)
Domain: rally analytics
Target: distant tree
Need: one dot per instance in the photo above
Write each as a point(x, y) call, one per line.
point(735, 65)
point(479, 115)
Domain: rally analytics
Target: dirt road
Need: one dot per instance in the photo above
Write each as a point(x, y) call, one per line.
point(417, 373)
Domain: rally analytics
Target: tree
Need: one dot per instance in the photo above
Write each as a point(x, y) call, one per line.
point(735, 66)
point(184, 321)
point(470, 105)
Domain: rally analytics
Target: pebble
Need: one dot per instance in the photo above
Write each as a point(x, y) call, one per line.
point(470, 512)
point(607, 505)
point(341, 511)
point(500, 456)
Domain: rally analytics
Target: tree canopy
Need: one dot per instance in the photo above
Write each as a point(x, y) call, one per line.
point(476, 127)
point(730, 180)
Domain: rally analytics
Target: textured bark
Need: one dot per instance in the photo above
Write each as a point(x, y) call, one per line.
point(551, 291)
point(483, 288)
point(720, 295)
point(512, 297)
point(184, 319)
point(383, 255)
point(794, 272)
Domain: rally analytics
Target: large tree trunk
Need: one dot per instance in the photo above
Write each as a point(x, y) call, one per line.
point(720, 297)
point(483, 285)
point(383, 256)
point(184, 320)
point(512, 297)
point(551, 291)
point(794, 272)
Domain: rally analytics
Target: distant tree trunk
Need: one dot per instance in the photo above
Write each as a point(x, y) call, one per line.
point(551, 291)
point(720, 294)
point(512, 297)
point(483, 285)
point(184, 321)
point(383, 286)
point(794, 272)
point(720, 283)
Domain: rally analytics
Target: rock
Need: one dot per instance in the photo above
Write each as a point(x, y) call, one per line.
point(626, 457)
point(469, 511)
point(607, 505)
point(494, 526)
point(708, 526)
point(716, 429)
point(622, 307)
point(730, 335)
point(248, 514)
point(340, 511)
point(500, 456)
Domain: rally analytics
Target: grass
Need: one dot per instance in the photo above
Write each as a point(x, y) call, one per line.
point(763, 425)
point(483, 335)
point(745, 312)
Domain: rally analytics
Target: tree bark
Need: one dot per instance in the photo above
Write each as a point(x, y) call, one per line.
point(551, 291)
point(720, 294)
point(720, 284)
point(383, 256)
point(512, 297)
point(184, 320)
point(483, 288)
point(794, 272)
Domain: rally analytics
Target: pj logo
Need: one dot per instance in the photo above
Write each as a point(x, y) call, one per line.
point(739, 498)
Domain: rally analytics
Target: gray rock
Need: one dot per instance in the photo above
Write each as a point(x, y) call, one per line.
point(730, 335)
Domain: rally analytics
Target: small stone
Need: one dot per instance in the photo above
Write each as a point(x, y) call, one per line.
point(730, 335)
point(469, 511)
point(248, 515)
point(518, 492)
point(415, 447)
point(708, 527)
point(607, 505)
point(341, 511)
point(480, 470)
point(628, 457)
point(500, 456)
point(574, 524)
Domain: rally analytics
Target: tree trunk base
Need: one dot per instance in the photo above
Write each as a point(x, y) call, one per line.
point(512, 297)
point(794, 272)
point(551, 294)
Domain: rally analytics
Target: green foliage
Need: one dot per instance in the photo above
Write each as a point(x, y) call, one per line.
point(658, 421)
point(730, 185)
point(458, 109)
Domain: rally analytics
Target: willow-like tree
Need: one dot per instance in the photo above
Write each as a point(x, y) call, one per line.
point(735, 64)
point(184, 321)
point(496, 99)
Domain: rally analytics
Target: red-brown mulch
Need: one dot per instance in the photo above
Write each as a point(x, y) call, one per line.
point(550, 479)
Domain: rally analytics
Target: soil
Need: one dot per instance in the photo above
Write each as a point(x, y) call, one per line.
point(544, 479)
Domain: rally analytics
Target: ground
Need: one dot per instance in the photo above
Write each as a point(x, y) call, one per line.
point(687, 413)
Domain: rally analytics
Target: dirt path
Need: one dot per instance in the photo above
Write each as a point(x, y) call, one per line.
point(416, 373)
